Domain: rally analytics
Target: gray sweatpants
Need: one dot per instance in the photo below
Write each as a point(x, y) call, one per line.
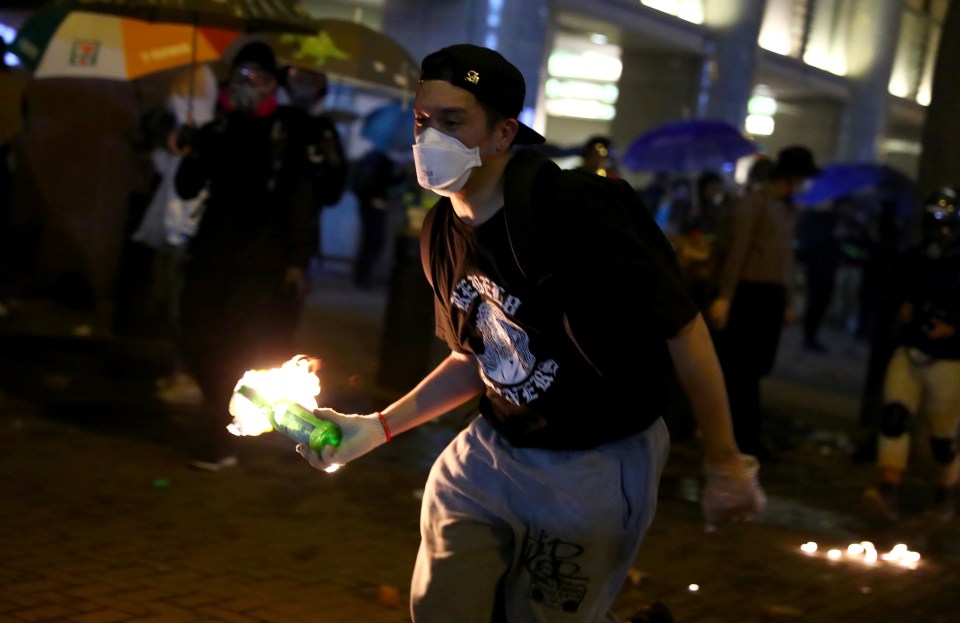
point(528, 535)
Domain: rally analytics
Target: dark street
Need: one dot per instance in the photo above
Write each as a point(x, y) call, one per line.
point(103, 521)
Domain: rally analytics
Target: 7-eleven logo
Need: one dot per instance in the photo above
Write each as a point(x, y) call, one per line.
point(84, 53)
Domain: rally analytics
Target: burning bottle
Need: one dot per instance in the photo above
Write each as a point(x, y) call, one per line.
point(282, 399)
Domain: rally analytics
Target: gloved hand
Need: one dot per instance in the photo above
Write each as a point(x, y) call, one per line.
point(360, 434)
point(732, 491)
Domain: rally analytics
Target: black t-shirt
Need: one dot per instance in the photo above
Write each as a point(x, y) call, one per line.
point(261, 210)
point(932, 286)
point(619, 294)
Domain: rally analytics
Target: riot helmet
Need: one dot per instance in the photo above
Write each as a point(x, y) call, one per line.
point(941, 218)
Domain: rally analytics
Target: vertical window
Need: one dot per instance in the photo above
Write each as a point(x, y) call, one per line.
point(582, 78)
point(920, 31)
point(825, 46)
point(687, 10)
point(929, 62)
point(784, 27)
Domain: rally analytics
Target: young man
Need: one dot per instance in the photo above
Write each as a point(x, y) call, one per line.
point(535, 512)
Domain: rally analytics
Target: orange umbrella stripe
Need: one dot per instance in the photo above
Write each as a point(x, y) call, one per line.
point(154, 47)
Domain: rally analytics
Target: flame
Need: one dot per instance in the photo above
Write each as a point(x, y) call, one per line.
point(866, 553)
point(295, 380)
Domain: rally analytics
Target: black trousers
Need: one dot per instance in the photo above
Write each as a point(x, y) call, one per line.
point(747, 349)
point(820, 285)
point(233, 319)
point(373, 228)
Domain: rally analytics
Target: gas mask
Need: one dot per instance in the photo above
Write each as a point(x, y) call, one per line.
point(248, 88)
point(245, 97)
point(302, 95)
point(443, 163)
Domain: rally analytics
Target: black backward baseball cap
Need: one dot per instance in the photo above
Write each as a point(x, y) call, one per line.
point(491, 78)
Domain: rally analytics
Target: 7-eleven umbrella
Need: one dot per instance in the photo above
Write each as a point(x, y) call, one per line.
point(246, 15)
point(58, 43)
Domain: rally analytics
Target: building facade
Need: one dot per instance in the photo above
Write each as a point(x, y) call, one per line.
point(849, 78)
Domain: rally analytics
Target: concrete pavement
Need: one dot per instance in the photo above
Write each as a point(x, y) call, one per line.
point(101, 520)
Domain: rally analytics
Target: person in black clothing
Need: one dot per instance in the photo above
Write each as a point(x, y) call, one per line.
point(375, 176)
point(245, 278)
point(306, 90)
point(12, 85)
point(818, 250)
point(597, 155)
point(537, 509)
point(922, 375)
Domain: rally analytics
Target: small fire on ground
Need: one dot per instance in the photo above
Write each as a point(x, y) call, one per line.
point(866, 553)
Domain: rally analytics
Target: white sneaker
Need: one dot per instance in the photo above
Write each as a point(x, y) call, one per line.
point(214, 466)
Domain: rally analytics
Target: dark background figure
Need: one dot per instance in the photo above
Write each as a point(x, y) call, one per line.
point(306, 90)
point(752, 303)
point(818, 251)
point(245, 278)
point(652, 195)
point(150, 275)
point(597, 155)
point(675, 208)
point(11, 125)
point(695, 238)
point(877, 318)
point(760, 171)
point(922, 373)
point(699, 254)
point(375, 176)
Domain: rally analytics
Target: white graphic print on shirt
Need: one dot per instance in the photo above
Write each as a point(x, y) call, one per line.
point(507, 364)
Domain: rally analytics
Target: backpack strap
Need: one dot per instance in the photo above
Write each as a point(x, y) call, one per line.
point(526, 173)
point(520, 179)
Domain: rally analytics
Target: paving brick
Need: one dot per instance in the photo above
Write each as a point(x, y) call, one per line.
point(43, 613)
point(102, 616)
point(194, 600)
point(226, 615)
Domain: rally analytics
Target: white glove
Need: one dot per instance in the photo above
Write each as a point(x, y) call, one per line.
point(360, 434)
point(732, 491)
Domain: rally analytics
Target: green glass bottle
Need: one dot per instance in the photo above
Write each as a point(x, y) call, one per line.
point(294, 421)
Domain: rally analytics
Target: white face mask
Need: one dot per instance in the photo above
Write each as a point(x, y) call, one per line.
point(443, 163)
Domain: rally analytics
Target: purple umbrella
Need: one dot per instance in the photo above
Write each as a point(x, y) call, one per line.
point(687, 147)
point(846, 178)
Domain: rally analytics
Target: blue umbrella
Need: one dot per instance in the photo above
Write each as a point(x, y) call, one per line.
point(846, 178)
point(390, 127)
point(687, 147)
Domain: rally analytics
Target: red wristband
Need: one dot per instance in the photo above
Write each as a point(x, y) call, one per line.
point(383, 423)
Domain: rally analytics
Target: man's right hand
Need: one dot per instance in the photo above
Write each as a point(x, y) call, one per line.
point(360, 434)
